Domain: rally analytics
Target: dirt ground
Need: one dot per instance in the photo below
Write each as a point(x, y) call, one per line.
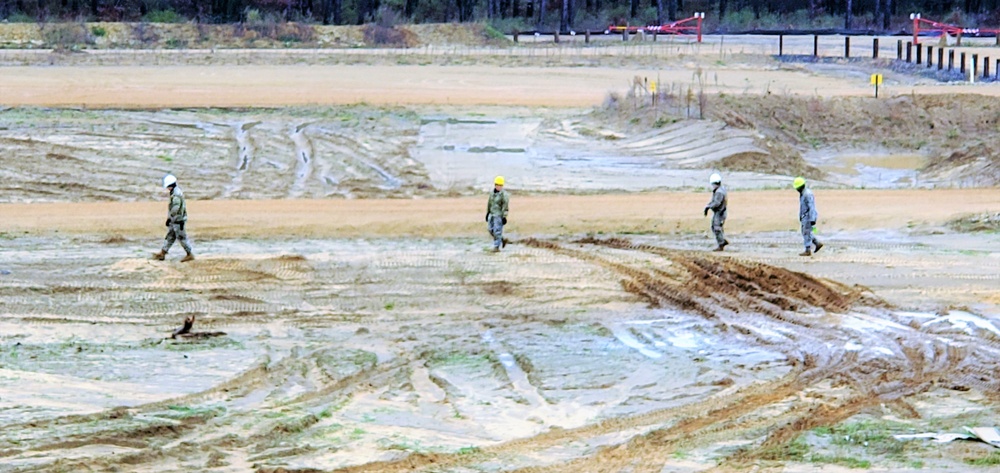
point(349, 316)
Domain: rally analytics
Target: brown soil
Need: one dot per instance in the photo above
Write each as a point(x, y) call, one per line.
point(660, 213)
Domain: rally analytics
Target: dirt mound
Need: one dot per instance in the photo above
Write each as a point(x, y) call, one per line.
point(984, 222)
point(976, 165)
point(707, 284)
point(936, 125)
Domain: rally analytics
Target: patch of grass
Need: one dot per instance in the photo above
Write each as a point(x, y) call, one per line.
point(98, 31)
point(390, 305)
point(163, 16)
point(165, 158)
point(875, 437)
point(993, 459)
point(795, 450)
point(468, 450)
point(849, 462)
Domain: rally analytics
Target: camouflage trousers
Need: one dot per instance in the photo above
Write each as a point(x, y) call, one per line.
point(176, 232)
point(496, 229)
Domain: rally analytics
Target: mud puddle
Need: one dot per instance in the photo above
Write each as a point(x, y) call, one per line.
point(870, 170)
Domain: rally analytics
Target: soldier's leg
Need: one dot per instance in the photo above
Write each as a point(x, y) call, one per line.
point(168, 241)
point(182, 238)
point(807, 235)
point(496, 228)
point(720, 235)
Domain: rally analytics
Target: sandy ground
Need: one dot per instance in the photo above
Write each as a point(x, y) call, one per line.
point(751, 211)
point(363, 334)
point(377, 84)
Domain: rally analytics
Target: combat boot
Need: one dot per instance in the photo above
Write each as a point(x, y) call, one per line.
point(188, 257)
point(818, 246)
point(806, 253)
point(724, 244)
point(719, 248)
point(159, 255)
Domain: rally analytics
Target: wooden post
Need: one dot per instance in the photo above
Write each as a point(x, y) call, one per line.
point(654, 36)
point(909, 51)
point(996, 70)
point(899, 49)
point(986, 67)
point(930, 54)
point(951, 59)
point(875, 48)
point(847, 47)
point(515, 36)
point(586, 37)
point(940, 58)
point(920, 54)
point(975, 64)
point(556, 36)
point(815, 45)
point(781, 44)
point(625, 34)
point(961, 67)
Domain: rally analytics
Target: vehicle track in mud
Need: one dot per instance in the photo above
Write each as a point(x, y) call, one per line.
point(430, 306)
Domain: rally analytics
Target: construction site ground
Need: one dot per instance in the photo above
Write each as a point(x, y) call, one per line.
point(350, 316)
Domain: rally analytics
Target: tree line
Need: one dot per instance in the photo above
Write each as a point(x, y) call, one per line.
point(563, 14)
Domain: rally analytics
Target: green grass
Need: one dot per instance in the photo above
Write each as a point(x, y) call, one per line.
point(795, 450)
point(849, 462)
point(993, 459)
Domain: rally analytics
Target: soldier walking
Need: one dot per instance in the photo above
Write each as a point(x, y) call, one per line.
point(176, 218)
point(807, 217)
point(496, 213)
point(718, 206)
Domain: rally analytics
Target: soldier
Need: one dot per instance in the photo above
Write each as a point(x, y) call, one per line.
point(176, 218)
point(718, 206)
point(807, 216)
point(496, 213)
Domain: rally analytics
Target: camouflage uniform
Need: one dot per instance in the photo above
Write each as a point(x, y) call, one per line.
point(176, 218)
point(496, 215)
point(718, 206)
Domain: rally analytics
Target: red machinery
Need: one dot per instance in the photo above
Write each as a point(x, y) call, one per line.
point(944, 28)
point(678, 27)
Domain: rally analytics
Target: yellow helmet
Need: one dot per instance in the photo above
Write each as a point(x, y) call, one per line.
point(498, 181)
point(799, 182)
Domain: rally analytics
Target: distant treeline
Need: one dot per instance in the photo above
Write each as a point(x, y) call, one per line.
point(725, 15)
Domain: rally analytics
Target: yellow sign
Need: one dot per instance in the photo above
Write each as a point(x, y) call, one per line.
point(652, 87)
point(876, 79)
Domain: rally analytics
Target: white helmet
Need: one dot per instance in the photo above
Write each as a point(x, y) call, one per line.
point(169, 180)
point(715, 178)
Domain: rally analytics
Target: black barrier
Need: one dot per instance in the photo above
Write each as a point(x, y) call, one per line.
point(940, 58)
point(781, 44)
point(975, 65)
point(986, 67)
point(875, 48)
point(951, 60)
point(847, 47)
point(920, 54)
point(899, 49)
point(962, 64)
point(930, 54)
point(909, 51)
point(816, 45)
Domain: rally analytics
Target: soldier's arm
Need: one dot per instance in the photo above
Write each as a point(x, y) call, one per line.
point(716, 201)
point(175, 207)
point(506, 205)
